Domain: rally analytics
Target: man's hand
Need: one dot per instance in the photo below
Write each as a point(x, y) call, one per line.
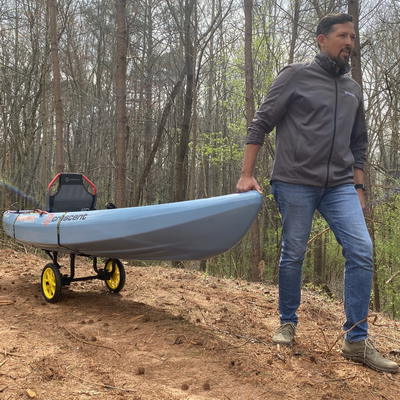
point(361, 197)
point(247, 183)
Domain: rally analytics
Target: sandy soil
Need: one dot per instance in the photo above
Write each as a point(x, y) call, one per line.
point(173, 334)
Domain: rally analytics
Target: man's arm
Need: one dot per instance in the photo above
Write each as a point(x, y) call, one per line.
point(274, 105)
point(247, 181)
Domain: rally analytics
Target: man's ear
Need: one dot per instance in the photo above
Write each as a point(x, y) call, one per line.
point(321, 41)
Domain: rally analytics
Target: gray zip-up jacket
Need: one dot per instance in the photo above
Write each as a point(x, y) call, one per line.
point(320, 124)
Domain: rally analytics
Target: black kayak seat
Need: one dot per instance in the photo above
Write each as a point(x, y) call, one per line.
point(71, 194)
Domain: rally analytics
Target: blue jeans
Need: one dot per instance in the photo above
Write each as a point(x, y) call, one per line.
point(342, 211)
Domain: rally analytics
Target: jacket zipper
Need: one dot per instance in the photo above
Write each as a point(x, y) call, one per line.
point(334, 133)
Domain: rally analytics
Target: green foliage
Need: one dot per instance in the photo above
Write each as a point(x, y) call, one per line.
point(387, 254)
point(263, 73)
point(311, 287)
point(218, 149)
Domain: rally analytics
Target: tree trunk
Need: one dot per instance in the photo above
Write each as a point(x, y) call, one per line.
point(369, 215)
point(185, 131)
point(318, 260)
point(45, 116)
point(356, 73)
point(353, 10)
point(248, 66)
point(194, 149)
point(295, 25)
point(57, 85)
point(148, 123)
point(122, 46)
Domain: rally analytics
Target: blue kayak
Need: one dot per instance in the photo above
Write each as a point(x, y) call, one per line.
point(188, 230)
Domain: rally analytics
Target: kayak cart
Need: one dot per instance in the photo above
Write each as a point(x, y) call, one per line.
point(71, 196)
point(113, 274)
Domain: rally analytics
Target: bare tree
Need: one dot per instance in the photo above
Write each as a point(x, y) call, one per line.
point(57, 85)
point(121, 123)
point(156, 144)
point(356, 73)
point(45, 116)
point(255, 230)
point(182, 150)
point(295, 30)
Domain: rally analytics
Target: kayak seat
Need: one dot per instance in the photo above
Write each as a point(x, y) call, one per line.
point(71, 194)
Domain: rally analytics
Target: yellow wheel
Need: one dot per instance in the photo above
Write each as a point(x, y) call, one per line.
point(117, 279)
point(51, 283)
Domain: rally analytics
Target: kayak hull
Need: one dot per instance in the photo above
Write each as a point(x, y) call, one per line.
point(189, 230)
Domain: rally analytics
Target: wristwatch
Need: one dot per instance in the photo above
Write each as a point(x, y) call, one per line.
point(362, 186)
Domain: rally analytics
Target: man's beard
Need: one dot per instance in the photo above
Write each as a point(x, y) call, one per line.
point(342, 62)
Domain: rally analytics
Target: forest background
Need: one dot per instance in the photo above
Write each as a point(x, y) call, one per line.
point(151, 100)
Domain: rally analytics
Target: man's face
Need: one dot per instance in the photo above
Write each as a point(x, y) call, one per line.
point(339, 43)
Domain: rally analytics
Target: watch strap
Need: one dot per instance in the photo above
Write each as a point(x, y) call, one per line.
point(362, 186)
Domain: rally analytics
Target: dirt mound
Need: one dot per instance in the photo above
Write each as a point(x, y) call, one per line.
point(174, 334)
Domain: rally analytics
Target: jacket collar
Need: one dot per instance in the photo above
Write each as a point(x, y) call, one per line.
point(329, 65)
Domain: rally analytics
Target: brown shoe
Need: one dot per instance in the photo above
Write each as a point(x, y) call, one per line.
point(284, 334)
point(364, 352)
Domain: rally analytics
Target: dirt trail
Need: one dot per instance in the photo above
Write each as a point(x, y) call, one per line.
point(173, 334)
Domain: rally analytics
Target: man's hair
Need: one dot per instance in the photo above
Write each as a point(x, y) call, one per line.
point(325, 26)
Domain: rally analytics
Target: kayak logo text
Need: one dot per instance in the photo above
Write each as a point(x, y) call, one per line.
point(73, 217)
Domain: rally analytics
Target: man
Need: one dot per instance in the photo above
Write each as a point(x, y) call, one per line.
point(321, 142)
